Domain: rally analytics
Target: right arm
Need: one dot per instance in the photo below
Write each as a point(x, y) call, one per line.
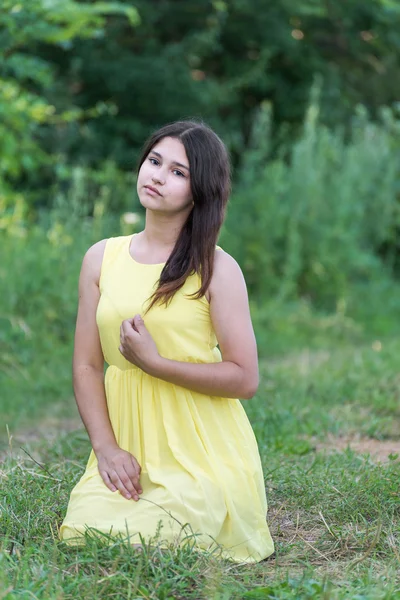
point(119, 469)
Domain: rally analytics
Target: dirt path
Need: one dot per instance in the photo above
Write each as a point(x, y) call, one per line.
point(379, 450)
point(47, 430)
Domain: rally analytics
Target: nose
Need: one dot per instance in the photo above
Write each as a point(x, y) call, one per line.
point(158, 178)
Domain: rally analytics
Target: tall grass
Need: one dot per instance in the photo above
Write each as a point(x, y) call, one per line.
point(308, 228)
point(333, 507)
point(38, 301)
point(314, 231)
point(313, 219)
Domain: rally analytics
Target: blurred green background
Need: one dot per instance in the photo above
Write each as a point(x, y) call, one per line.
point(304, 93)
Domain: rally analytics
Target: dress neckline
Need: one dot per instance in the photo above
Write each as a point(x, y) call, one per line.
point(130, 238)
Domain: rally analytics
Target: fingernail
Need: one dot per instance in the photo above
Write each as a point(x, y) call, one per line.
point(128, 496)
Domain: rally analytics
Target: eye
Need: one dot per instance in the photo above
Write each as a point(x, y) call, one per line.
point(153, 161)
point(178, 172)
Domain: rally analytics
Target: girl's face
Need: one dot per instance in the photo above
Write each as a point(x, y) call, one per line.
point(163, 183)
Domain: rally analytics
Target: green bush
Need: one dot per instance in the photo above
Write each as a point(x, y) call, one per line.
point(307, 228)
point(311, 223)
point(39, 274)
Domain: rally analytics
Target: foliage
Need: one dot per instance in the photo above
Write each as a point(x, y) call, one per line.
point(314, 232)
point(219, 61)
point(312, 223)
point(333, 508)
point(25, 79)
point(80, 85)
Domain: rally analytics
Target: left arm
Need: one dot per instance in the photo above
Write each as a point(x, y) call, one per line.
point(237, 375)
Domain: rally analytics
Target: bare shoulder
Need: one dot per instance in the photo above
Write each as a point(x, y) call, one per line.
point(226, 266)
point(224, 260)
point(92, 261)
point(227, 274)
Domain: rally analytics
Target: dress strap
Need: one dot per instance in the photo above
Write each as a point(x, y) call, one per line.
point(112, 248)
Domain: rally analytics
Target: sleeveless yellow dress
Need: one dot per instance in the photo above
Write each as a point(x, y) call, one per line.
point(201, 471)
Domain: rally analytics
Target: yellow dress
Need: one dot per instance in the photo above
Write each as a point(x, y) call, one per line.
point(201, 470)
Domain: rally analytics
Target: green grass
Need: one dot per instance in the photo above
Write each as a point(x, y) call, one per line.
point(328, 399)
point(334, 515)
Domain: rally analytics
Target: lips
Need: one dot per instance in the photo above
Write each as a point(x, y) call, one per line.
point(149, 187)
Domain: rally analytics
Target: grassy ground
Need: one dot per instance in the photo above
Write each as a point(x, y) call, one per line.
point(327, 422)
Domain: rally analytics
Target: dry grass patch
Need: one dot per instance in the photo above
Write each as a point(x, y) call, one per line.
point(379, 450)
point(47, 430)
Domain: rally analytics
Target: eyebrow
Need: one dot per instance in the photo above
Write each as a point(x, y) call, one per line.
point(174, 162)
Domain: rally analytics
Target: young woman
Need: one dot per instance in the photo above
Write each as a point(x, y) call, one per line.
point(172, 446)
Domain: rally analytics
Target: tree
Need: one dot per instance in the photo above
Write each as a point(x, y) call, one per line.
point(26, 77)
point(220, 60)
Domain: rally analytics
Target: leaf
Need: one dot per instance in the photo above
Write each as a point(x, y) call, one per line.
point(256, 593)
point(115, 7)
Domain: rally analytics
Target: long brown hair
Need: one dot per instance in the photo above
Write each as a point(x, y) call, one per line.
point(210, 186)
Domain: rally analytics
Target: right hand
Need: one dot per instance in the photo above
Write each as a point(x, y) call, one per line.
point(120, 470)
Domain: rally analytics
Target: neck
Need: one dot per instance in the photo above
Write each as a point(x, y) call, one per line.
point(162, 231)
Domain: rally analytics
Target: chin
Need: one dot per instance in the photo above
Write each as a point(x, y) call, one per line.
point(143, 201)
point(151, 205)
point(147, 201)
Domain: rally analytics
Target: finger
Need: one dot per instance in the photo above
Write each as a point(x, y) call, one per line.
point(126, 326)
point(136, 464)
point(129, 481)
point(131, 484)
point(131, 334)
point(105, 477)
point(139, 323)
point(118, 484)
point(133, 324)
point(138, 469)
point(133, 475)
point(129, 327)
point(126, 329)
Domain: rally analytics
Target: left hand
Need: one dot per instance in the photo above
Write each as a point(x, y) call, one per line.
point(137, 345)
